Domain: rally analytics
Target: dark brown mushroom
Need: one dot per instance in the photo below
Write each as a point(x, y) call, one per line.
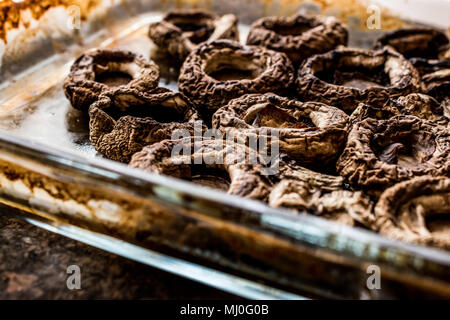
point(380, 153)
point(425, 66)
point(323, 195)
point(220, 71)
point(214, 163)
point(437, 85)
point(428, 50)
point(365, 111)
point(416, 104)
point(346, 77)
point(435, 78)
point(298, 36)
point(416, 210)
point(101, 70)
point(182, 30)
point(422, 106)
point(123, 121)
point(427, 43)
point(307, 132)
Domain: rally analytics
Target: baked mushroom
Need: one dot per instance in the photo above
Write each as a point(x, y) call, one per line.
point(428, 50)
point(346, 77)
point(101, 70)
point(380, 153)
point(417, 211)
point(220, 71)
point(430, 66)
point(309, 132)
point(435, 78)
point(422, 106)
point(213, 163)
point(123, 121)
point(182, 30)
point(437, 85)
point(323, 195)
point(364, 111)
point(298, 36)
point(426, 43)
point(416, 104)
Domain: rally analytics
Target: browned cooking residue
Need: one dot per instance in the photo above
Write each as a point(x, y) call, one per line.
point(57, 189)
point(11, 12)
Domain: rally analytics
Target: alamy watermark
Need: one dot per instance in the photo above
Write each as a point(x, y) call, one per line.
point(374, 20)
point(74, 21)
point(73, 281)
point(373, 281)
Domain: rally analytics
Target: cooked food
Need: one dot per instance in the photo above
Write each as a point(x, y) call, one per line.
point(96, 72)
point(298, 36)
point(422, 106)
point(308, 132)
point(417, 210)
point(364, 111)
point(123, 121)
point(343, 206)
point(381, 153)
point(214, 163)
point(182, 30)
point(345, 77)
point(298, 121)
point(428, 50)
point(222, 70)
point(303, 190)
point(427, 43)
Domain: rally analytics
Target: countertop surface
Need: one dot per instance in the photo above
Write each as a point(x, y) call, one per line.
point(34, 262)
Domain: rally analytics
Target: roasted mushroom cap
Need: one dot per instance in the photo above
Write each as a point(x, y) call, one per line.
point(422, 106)
point(101, 70)
point(298, 36)
point(301, 189)
point(213, 163)
point(435, 78)
point(425, 43)
point(308, 132)
point(181, 30)
point(123, 121)
point(380, 153)
point(428, 50)
point(417, 210)
point(346, 77)
point(222, 70)
point(437, 85)
point(365, 111)
point(416, 104)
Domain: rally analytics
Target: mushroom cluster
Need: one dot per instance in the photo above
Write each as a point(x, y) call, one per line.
point(308, 132)
point(298, 36)
point(292, 118)
point(123, 121)
point(96, 72)
point(222, 70)
point(422, 106)
point(380, 153)
point(304, 190)
point(226, 166)
point(346, 77)
point(413, 43)
point(429, 51)
point(181, 31)
point(416, 210)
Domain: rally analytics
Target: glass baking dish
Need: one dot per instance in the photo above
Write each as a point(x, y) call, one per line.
point(52, 177)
